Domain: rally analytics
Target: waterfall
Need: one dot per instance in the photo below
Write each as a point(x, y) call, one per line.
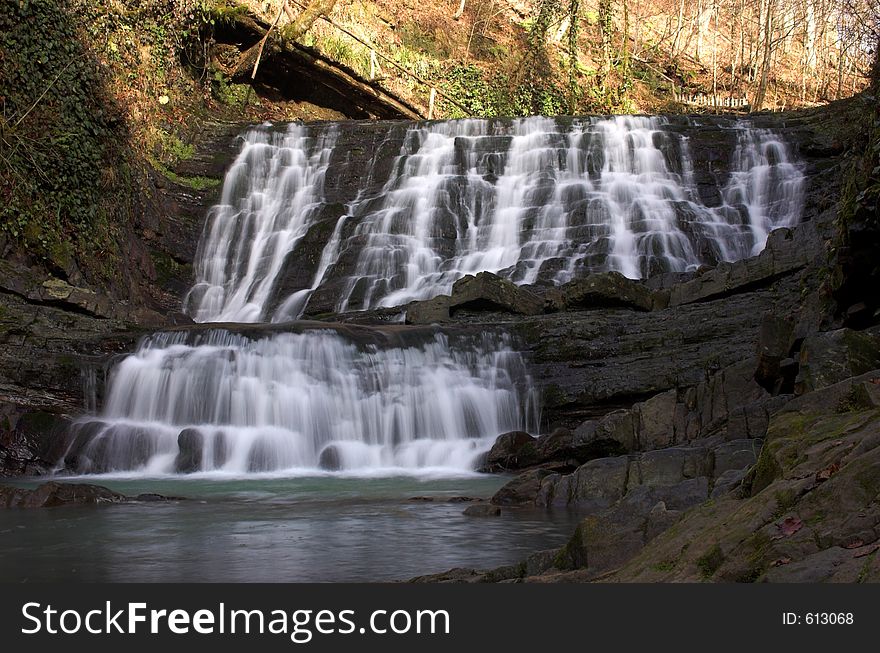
point(270, 196)
point(537, 203)
point(291, 402)
point(536, 200)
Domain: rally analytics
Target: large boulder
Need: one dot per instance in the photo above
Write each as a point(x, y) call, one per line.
point(603, 290)
point(491, 292)
point(522, 490)
point(482, 292)
point(513, 450)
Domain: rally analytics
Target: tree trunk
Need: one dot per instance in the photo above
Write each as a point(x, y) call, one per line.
point(307, 17)
point(761, 93)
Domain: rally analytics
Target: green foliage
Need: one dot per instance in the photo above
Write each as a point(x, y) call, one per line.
point(500, 96)
point(60, 134)
point(467, 85)
point(195, 183)
point(232, 95)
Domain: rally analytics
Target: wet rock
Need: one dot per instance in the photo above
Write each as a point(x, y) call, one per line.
point(513, 450)
point(330, 459)
point(786, 251)
point(603, 290)
point(30, 441)
point(150, 497)
point(482, 292)
point(482, 510)
point(430, 311)
point(53, 494)
point(190, 445)
point(833, 356)
point(489, 291)
point(521, 490)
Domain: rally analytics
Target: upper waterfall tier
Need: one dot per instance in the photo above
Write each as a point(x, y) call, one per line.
point(309, 223)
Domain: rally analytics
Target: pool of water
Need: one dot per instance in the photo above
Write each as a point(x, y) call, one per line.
point(272, 529)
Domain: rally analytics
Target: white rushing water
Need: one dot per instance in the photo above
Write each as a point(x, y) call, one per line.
point(270, 195)
point(608, 194)
point(300, 402)
point(526, 199)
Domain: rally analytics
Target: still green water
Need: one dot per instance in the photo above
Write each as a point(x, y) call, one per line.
point(311, 529)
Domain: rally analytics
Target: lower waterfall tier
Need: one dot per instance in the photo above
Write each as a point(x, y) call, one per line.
point(219, 401)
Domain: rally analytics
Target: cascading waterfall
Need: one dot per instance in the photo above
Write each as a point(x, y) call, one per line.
point(270, 194)
point(298, 402)
point(527, 199)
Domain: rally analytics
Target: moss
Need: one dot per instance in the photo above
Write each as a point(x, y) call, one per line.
point(573, 554)
point(785, 501)
point(167, 269)
point(765, 471)
point(865, 571)
point(664, 566)
point(195, 183)
point(711, 561)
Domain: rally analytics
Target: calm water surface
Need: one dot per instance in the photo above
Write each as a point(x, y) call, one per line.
point(312, 529)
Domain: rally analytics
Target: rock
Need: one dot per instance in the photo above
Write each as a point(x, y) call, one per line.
point(686, 494)
point(670, 466)
point(619, 426)
point(728, 481)
point(858, 392)
point(602, 290)
point(190, 445)
point(487, 291)
point(521, 490)
point(483, 292)
point(31, 441)
point(833, 356)
point(599, 483)
point(659, 520)
point(53, 494)
point(735, 455)
point(150, 497)
point(603, 541)
point(656, 421)
point(540, 561)
point(482, 510)
point(820, 567)
point(775, 340)
point(566, 447)
point(513, 450)
point(786, 251)
point(330, 459)
point(430, 311)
